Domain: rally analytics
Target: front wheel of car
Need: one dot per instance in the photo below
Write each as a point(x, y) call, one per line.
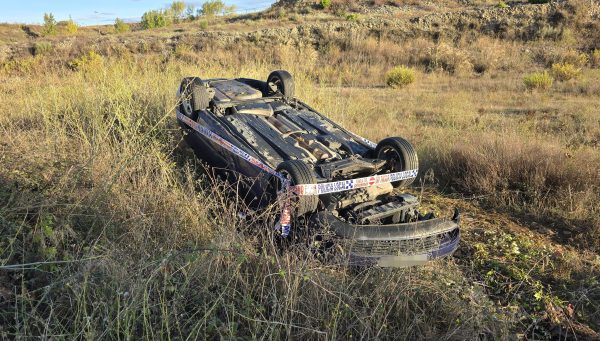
point(194, 97)
point(400, 156)
point(282, 82)
point(299, 173)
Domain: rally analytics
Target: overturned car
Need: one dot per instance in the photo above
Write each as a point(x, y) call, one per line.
point(334, 179)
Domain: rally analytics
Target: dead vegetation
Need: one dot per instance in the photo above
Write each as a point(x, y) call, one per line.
point(110, 229)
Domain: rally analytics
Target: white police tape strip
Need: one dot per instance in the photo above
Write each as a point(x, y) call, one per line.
point(346, 185)
point(308, 189)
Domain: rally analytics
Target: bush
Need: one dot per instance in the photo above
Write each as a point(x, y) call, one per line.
point(49, 24)
point(502, 4)
point(595, 58)
point(538, 80)
point(400, 76)
point(42, 47)
point(121, 26)
point(156, 19)
point(71, 26)
point(203, 24)
point(88, 62)
point(565, 71)
point(325, 4)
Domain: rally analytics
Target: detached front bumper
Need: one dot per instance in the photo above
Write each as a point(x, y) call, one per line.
point(396, 245)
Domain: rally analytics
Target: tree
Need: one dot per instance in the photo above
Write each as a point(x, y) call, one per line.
point(155, 19)
point(177, 8)
point(49, 24)
point(190, 12)
point(71, 26)
point(216, 7)
point(121, 26)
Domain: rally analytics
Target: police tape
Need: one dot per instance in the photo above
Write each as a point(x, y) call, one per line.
point(346, 185)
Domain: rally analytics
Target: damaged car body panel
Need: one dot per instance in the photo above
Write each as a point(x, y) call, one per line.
point(261, 125)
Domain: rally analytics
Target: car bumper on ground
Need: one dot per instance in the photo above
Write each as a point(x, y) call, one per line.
point(396, 245)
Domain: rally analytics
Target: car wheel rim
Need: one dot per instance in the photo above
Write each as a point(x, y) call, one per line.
point(187, 105)
point(393, 158)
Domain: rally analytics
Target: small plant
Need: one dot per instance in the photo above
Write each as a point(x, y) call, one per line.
point(325, 4)
point(203, 24)
point(49, 24)
point(156, 19)
point(71, 26)
point(42, 47)
point(121, 26)
point(595, 58)
point(400, 76)
point(565, 71)
point(502, 4)
point(352, 17)
point(538, 81)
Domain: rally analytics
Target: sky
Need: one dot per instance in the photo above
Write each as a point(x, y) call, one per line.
point(98, 12)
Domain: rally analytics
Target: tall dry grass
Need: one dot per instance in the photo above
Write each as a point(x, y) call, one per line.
point(94, 174)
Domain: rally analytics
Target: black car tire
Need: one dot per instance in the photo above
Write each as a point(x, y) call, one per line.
point(401, 156)
point(300, 173)
point(194, 96)
point(283, 81)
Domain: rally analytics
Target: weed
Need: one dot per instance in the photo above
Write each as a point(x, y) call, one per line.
point(400, 76)
point(352, 17)
point(538, 81)
point(565, 71)
point(42, 47)
point(325, 4)
point(501, 4)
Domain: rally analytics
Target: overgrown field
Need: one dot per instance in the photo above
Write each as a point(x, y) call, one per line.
point(110, 229)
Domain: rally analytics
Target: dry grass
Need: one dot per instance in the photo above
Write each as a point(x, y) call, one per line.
point(93, 172)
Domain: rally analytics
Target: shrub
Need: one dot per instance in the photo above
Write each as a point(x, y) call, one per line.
point(400, 76)
point(595, 58)
point(538, 80)
point(42, 47)
point(325, 4)
point(502, 4)
point(203, 24)
point(49, 24)
point(352, 17)
point(565, 71)
point(71, 26)
point(121, 26)
point(88, 62)
point(156, 18)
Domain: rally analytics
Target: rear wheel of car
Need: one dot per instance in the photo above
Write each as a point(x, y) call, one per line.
point(299, 173)
point(194, 97)
point(282, 82)
point(400, 156)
